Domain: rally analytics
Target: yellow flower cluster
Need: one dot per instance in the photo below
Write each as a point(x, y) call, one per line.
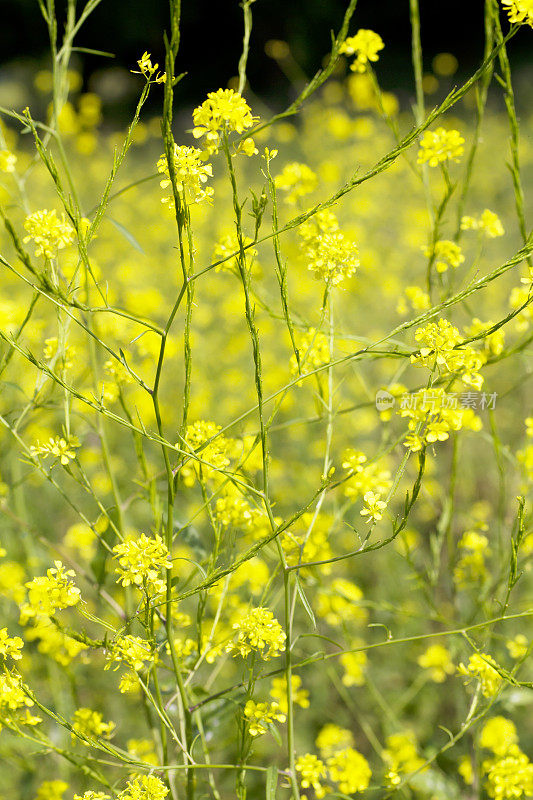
point(432, 416)
point(8, 161)
point(327, 251)
point(198, 436)
point(313, 348)
point(229, 244)
point(53, 642)
point(312, 771)
point(365, 477)
point(373, 508)
point(340, 763)
point(50, 593)
point(258, 631)
point(519, 11)
point(350, 770)
point(341, 602)
point(437, 660)
point(332, 257)
point(10, 647)
point(332, 738)
point(57, 447)
point(417, 297)
point(295, 181)
point(149, 70)
point(446, 254)
point(260, 715)
point(89, 724)
point(224, 111)
point(49, 233)
point(131, 650)
point(51, 790)
point(481, 667)
point(401, 757)
point(141, 561)
point(470, 568)
point(509, 774)
point(488, 223)
point(278, 691)
point(191, 173)
point(14, 700)
point(440, 348)
point(365, 45)
point(144, 787)
point(439, 146)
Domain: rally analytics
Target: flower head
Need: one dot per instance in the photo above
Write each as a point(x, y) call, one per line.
point(365, 45)
point(131, 650)
point(141, 561)
point(260, 715)
point(50, 593)
point(57, 447)
point(295, 181)
point(260, 631)
point(149, 70)
point(374, 507)
point(437, 660)
point(191, 173)
point(480, 667)
point(8, 161)
point(49, 233)
point(224, 110)
point(312, 771)
point(519, 11)
point(144, 787)
point(439, 146)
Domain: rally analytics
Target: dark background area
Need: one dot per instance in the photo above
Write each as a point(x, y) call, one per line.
point(212, 36)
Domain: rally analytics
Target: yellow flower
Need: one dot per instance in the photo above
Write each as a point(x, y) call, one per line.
point(519, 11)
point(350, 770)
point(446, 254)
point(278, 690)
point(89, 724)
point(312, 770)
point(148, 69)
point(10, 646)
point(131, 650)
point(51, 790)
point(224, 110)
point(518, 646)
point(258, 630)
point(499, 735)
point(365, 45)
point(480, 667)
point(510, 777)
point(191, 174)
point(260, 715)
point(373, 508)
point(141, 561)
point(51, 592)
point(57, 447)
point(439, 146)
point(144, 787)
point(8, 161)
point(49, 233)
point(437, 660)
point(332, 738)
point(295, 181)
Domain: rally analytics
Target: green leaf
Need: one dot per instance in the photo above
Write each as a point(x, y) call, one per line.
point(271, 782)
point(127, 235)
point(305, 602)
